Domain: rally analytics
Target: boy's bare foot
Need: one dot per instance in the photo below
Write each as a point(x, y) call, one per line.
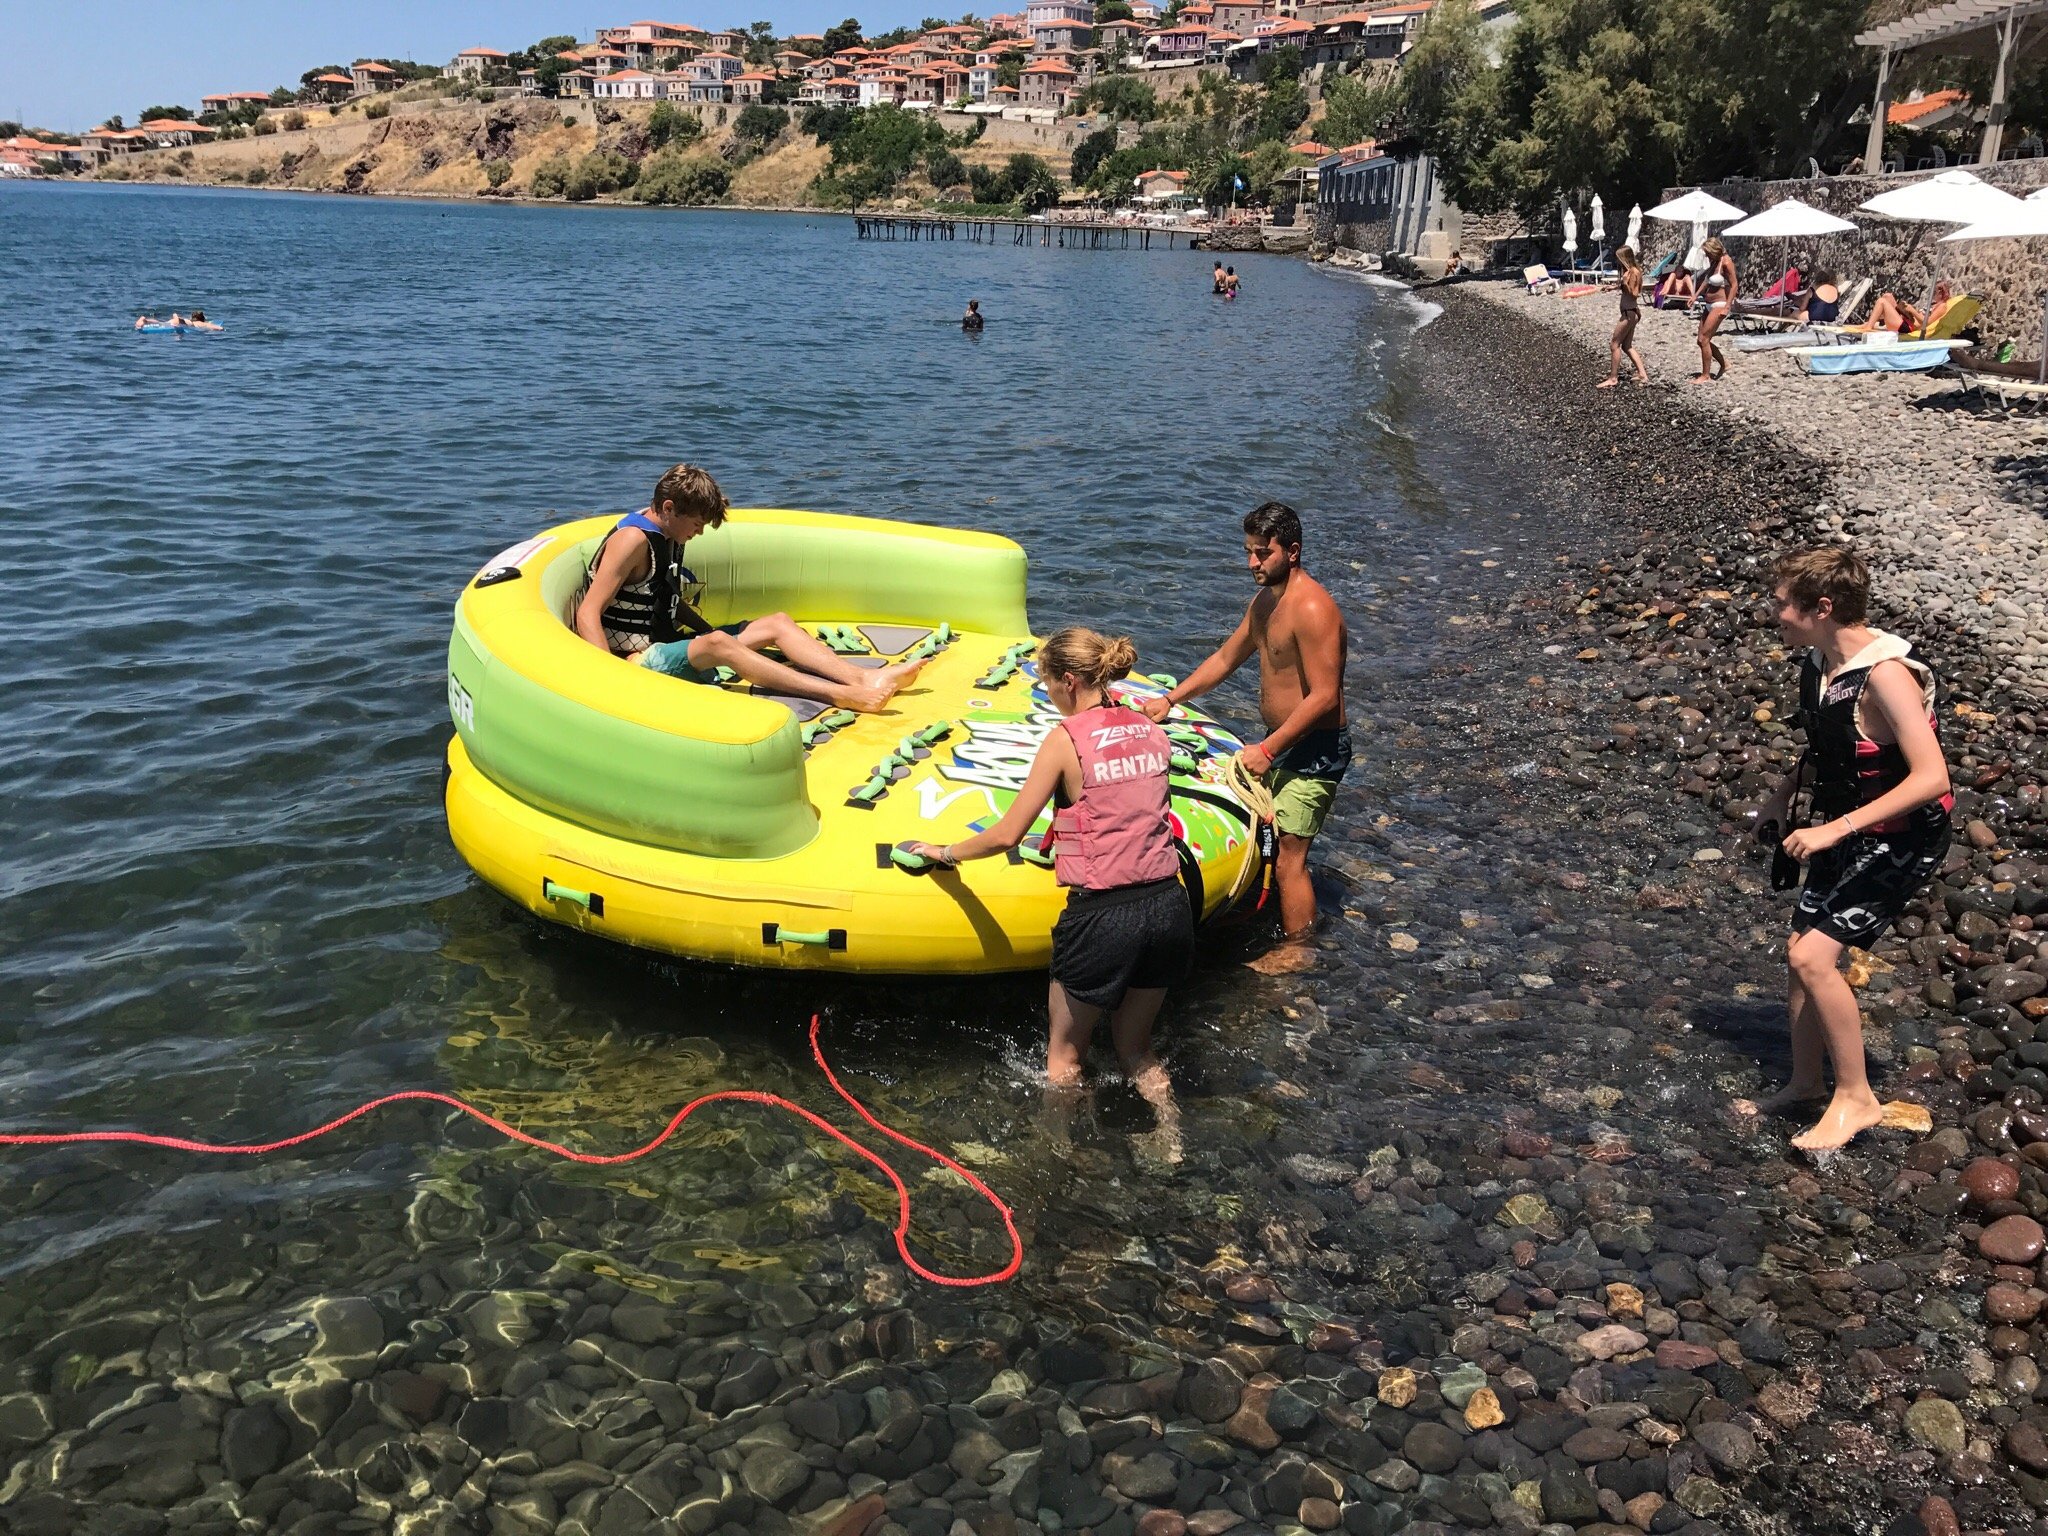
point(1288, 958)
point(1791, 1096)
point(1840, 1124)
point(902, 673)
point(1703, 378)
point(1607, 384)
point(863, 700)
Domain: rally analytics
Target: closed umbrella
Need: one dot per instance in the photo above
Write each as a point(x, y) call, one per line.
point(1596, 229)
point(2025, 220)
point(1571, 239)
point(1634, 239)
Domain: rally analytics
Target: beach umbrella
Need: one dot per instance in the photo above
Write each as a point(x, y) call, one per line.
point(1571, 238)
point(1596, 229)
point(1696, 208)
point(1788, 221)
point(2026, 220)
point(1634, 238)
point(1953, 197)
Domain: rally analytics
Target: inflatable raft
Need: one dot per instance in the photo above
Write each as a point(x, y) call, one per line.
point(727, 825)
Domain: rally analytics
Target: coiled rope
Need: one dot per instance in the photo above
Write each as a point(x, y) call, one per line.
point(601, 1159)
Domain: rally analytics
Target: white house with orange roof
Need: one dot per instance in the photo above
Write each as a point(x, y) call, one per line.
point(880, 85)
point(370, 77)
point(627, 85)
point(476, 63)
point(1157, 186)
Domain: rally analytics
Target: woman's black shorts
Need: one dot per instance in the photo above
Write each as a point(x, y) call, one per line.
point(1856, 889)
point(1134, 936)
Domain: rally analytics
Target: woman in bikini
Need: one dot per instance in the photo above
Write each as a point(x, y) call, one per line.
point(1720, 291)
point(1624, 337)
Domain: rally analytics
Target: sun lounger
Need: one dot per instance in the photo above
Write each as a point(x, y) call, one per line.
point(1846, 308)
point(1961, 312)
point(1537, 278)
point(1850, 357)
point(2009, 383)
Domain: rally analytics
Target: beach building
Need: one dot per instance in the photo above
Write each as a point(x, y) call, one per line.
point(882, 86)
point(1119, 39)
point(1158, 186)
point(750, 85)
point(112, 143)
point(952, 80)
point(1242, 16)
point(981, 77)
point(33, 152)
point(1060, 23)
point(368, 77)
point(606, 59)
point(477, 63)
point(792, 61)
point(717, 65)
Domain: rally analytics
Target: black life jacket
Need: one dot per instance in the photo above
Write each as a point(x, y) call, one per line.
point(1846, 768)
point(644, 613)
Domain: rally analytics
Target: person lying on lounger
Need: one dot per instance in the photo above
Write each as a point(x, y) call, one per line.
point(1820, 304)
point(1891, 313)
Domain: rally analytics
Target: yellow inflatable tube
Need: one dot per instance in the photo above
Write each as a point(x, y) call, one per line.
point(724, 825)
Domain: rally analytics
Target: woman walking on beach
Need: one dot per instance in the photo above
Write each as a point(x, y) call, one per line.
point(1719, 289)
point(1875, 769)
point(1624, 338)
point(1127, 933)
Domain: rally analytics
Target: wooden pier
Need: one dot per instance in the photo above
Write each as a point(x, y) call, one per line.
point(1092, 236)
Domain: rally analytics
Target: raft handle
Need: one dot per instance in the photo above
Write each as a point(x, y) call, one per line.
point(590, 901)
point(497, 574)
point(773, 934)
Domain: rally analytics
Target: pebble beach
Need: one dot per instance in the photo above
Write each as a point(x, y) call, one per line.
point(1473, 1233)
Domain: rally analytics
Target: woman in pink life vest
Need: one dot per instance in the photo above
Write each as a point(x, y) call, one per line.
point(1127, 933)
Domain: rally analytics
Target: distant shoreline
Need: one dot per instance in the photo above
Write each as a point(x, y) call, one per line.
point(193, 184)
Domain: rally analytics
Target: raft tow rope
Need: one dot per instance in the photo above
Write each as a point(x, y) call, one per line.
point(743, 1095)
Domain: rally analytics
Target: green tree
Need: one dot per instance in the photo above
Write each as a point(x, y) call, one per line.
point(497, 172)
point(944, 169)
point(597, 173)
point(933, 23)
point(1090, 153)
point(551, 177)
point(760, 124)
point(845, 35)
point(826, 121)
point(1032, 182)
point(1264, 166)
point(157, 114)
point(667, 125)
point(1355, 109)
point(1283, 107)
point(885, 139)
point(1283, 63)
point(1154, 152)
point(282, 97)
point(1113, 10)
point(990, 185)
point(1122, 96)
point(306, 81)
point(115, 122)
point(760, 42)
point(681, 180)
point(1009, 66)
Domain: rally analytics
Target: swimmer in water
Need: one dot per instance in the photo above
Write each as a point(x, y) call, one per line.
point(199, 322)
point(1216, 279)
point(972, 321)
point(142, 320)
point(1230, 282)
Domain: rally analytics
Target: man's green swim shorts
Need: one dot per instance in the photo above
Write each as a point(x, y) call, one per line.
point(1304, 780)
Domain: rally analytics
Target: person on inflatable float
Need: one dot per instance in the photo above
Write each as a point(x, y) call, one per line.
point(640, 604)
point(1127, 933)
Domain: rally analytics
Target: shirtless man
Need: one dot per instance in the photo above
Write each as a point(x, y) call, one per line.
point(640, 605)
point(1294, 626)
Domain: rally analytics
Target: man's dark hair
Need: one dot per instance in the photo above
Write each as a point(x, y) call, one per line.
point(1274, 520)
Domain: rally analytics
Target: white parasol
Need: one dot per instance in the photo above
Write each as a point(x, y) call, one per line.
point(1953, 197)
point(1571, 238)
point(1696, 208)
point(1634, 240)
point(1789, 220)
point(2025, 220)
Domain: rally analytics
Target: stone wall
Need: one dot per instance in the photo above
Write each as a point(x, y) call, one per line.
point(2008, 275)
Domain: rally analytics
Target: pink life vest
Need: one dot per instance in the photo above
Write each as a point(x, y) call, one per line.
point(1117, 833)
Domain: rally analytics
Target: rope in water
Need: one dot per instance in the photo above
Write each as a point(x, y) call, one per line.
point(598, 1159)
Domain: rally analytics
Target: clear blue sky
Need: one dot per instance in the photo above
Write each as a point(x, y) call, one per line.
point(69, 66)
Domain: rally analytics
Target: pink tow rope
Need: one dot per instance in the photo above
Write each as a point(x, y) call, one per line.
point(749, 1096)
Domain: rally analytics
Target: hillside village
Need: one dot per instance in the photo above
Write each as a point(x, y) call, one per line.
point(748, 116)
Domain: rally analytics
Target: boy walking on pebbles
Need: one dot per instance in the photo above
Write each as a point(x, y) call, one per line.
point(1294, 626)
point(1880, 785)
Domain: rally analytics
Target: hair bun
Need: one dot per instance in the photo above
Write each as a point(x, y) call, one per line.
point(1118, 657)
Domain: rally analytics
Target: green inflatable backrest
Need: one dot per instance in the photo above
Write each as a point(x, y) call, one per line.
point(671, 790)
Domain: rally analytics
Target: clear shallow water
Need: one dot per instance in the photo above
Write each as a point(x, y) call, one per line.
point(230, 909)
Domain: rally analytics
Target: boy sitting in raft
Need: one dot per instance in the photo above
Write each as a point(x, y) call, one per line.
point(639, 605)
